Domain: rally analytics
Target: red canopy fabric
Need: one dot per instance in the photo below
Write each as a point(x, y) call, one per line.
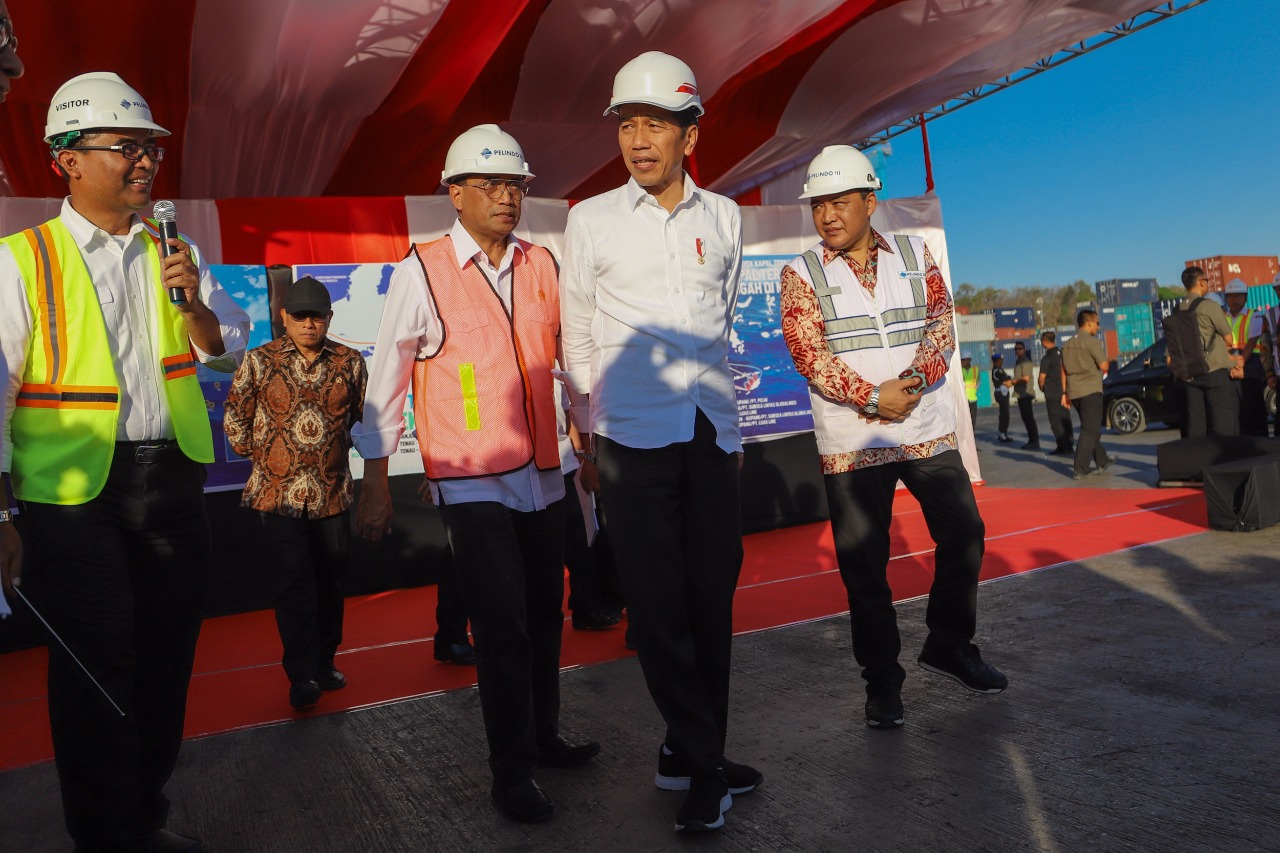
point(362, 97)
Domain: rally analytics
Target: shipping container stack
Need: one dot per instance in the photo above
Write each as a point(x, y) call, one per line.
point(974, 333)
point(1252, 269)
point(1126, 320)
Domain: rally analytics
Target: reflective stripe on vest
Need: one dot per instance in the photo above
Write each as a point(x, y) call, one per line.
point(1240, 330)
point(867, 333)
point(485, 403)
point(970, 383)
point(66, 412)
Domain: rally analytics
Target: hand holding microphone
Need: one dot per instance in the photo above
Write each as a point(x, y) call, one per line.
point(166, 217)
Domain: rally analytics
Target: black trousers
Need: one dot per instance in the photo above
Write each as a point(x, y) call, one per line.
point(675, 527)
point(973, 414)
point(451, 614)
point(1089, 448)
point(861, 504)
point(122, 580)
point(1026, 408)
point(510, 571)
point(1212, 405)
point(1060, 422)
point(1253, 405)
point(310, 561)
point(1002, 403)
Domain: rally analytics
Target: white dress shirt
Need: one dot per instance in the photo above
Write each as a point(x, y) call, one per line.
point(647, 303)
point(120, 269)
point(410, 329)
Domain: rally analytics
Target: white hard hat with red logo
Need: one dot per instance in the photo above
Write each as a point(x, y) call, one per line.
point(96, 100)
point(839, 169)
point(485, 149)
point(656, 78)
point(1236, 286)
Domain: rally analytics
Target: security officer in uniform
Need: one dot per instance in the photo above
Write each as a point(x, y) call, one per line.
point(105, 430)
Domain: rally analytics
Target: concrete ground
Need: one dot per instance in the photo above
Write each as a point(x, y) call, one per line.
point(1142, 715)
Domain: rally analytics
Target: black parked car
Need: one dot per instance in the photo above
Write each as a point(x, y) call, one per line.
point(1142, 392)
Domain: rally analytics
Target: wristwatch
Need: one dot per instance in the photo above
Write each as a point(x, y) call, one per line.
point(872, 406)
point(5, 515)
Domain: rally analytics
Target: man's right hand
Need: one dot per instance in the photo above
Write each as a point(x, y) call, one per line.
point(895, 402)
point(10, 556)
point(373, 513)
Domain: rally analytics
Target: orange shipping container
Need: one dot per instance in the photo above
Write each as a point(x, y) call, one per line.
point(1012, 334)
point(1253, 269)
point(1111, 341)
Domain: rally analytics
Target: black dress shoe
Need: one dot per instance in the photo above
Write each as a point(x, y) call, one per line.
point(304, 693)
point(561, 753)
point(164, 841)
point(523, 802)
point(331, 679)
point(595, 620)
point(460, 654)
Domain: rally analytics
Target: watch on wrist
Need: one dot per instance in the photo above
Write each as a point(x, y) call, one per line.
point(5, 515)
point(872, 406)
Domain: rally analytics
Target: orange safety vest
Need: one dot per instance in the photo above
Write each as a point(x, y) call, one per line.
point(484, 403)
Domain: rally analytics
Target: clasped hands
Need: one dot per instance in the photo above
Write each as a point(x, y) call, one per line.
point(896, 402)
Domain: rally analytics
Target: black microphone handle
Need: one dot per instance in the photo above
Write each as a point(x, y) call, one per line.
point(169, 230)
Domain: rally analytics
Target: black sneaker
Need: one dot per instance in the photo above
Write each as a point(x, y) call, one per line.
point(673, 775)
point(965, 665)
point(595, 620)
point(884, 705)
point(1111, 460)
point(703, 809)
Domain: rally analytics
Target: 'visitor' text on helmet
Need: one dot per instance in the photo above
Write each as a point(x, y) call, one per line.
point(96, 100)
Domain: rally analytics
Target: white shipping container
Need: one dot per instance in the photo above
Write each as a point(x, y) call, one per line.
point(975, 327)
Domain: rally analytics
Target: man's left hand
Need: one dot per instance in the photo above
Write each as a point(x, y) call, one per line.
point(178, 270)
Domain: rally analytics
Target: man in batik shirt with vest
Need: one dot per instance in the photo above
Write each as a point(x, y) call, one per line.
point(870, 324)
point(472, 322)
point(105, 430)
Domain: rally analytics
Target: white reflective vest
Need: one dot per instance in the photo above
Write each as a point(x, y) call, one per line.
point(877, 336)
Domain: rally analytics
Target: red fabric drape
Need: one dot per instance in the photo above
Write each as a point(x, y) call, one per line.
point(313, 231)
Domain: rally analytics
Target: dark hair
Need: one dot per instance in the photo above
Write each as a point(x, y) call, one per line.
point(1191, 275)
point(684, 119)
point(1050, 336)
point(1083, 316)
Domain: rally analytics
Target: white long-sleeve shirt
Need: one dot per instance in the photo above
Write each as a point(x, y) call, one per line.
point(121, 272)
point(647, 303)
point(411, 329)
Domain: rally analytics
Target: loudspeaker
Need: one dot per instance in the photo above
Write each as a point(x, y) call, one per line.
point(1243, 495)
point(1187, 458)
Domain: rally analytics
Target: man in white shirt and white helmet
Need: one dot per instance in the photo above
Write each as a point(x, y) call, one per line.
point(650, 280)
point(870, 323)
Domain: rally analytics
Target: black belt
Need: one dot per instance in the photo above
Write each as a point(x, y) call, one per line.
point(149, 452)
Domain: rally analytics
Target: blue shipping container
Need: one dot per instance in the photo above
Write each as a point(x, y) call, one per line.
point(1127, 291)
point(1159, 310)
point(1261, 296)
point(1135, 329)
point(979, 351)
point(1107, 318)
point(1022, 318)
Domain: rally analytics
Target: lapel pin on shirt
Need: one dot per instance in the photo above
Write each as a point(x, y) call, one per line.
point(702, 250)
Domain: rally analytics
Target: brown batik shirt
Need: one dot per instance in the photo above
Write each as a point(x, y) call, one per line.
point(293, 420)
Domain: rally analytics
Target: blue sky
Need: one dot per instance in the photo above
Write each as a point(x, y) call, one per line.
point(1128, 161)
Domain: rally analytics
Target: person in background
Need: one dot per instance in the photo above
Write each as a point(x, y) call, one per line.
point(1211, 405)
point(1001, 383)
point(1250, 379)
point(11, 66)
point(1051, 386)
point(970, 374)
point(882, 414)
point(1023, 371)
point(650, 281)
point(1271, 342)
point(490, 454)
point(1084, 362)
point(105, 429)
point(290, 411)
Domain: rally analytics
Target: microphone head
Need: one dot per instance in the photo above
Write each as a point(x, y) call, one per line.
point(164, 211)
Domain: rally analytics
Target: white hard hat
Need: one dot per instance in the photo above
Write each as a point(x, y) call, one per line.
point(1236, 286)
point(485, 149)
point(99, 99)
point(838, 169)
point(656, 78)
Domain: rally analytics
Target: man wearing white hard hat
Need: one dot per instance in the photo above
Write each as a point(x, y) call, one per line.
point(105, 429)
point(471, 325)
point(650, 282)
point(870, 323)
point(1250, 379)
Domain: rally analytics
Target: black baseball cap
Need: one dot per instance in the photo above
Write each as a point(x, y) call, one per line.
point(307, 296)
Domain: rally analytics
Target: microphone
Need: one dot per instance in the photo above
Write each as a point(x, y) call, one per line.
point(166, 216)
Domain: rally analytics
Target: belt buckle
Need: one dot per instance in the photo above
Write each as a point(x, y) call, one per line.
point(146, 454)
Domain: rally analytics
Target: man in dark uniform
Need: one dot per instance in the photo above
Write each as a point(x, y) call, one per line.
point(1051, 387)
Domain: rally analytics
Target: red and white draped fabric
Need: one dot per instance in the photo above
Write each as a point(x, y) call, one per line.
point(297, 98)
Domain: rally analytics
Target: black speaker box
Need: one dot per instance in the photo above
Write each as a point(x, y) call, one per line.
point(1243, 495)
point(1187, 458)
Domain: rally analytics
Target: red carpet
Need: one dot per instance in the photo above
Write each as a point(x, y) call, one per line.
point(788, 576)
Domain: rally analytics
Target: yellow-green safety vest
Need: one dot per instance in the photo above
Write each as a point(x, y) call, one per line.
point(64, 419)
point(970, 383)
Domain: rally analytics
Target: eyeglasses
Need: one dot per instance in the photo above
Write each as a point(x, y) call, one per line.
point(131, 151)
point(7, 38)
point(493, 188)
